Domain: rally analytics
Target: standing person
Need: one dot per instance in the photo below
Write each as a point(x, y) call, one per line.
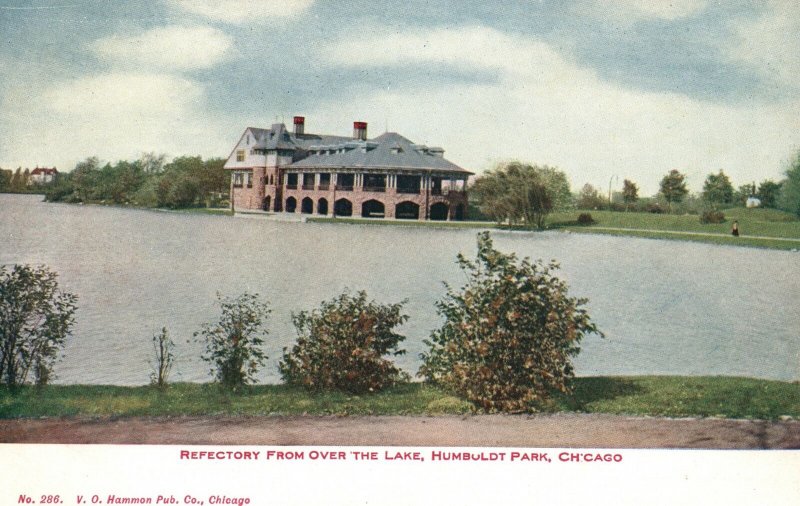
point(735, 228)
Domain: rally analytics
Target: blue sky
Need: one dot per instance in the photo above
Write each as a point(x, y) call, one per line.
point(625, 88)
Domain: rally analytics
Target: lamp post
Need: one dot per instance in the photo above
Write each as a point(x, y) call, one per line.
point(609, 189)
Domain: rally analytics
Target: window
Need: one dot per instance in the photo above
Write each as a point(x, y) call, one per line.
point(249, 179)
point(240, 155)
point(238, 178)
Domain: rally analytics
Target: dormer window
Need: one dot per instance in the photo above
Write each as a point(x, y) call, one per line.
point(396, 150)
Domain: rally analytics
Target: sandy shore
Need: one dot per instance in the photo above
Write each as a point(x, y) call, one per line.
point(537, 431)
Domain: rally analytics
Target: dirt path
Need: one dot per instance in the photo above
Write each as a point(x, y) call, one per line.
point(542, 431)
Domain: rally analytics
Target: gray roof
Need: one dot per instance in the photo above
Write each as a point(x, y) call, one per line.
point(278, 137)
point(387, 151)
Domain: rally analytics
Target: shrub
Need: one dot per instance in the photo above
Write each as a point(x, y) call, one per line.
point(585, 219)
point(162, 358)
point(342, 345)
point(509, 334)
point(233, 344)
point(711, 216)
point(655, 208)
point(35, 320)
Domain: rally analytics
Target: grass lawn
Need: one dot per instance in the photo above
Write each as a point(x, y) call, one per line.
point(670, 396)
point(764, 223)
point(764, 228)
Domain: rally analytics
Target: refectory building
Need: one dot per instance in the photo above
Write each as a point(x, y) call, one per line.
point(388, 176)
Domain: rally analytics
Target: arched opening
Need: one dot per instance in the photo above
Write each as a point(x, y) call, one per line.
point(343, 207)
point(307, 206)
point(291, 204)
point(372, 209)
point(459, 213)
point(322, 206)
point(266, 203)
point(438, 211)
point(406, 211)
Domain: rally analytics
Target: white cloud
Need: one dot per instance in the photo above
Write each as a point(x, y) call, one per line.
point(170, 47)
point(630, 11)
point(244, 11)
point(545, 109)
point(114, 116)
point(770, 42)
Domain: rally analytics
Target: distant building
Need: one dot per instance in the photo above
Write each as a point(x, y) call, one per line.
point(42, 175)
point(753, 202)
point(385, 177)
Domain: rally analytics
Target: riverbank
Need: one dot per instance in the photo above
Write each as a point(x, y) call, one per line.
point(660, 396)
point(761, 228)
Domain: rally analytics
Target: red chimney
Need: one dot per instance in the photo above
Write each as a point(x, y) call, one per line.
point(359, 130)
point(299, 125)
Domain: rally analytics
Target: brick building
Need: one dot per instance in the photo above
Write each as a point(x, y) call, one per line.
point(385, 177)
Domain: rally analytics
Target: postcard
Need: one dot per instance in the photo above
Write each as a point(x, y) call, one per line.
point(353, 252)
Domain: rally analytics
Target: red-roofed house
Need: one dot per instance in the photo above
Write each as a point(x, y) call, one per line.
point(43, 175)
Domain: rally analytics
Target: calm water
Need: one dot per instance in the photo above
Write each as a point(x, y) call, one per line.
point(666, 307)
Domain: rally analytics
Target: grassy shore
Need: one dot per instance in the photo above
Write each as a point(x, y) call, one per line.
point(766, 228)
point(762, 228)
point(669, 396)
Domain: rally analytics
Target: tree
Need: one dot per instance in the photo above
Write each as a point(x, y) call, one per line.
point(589, 198)
point(5, 179)
point(718, 190)
point(519, 193)
point(789, 199)
point(163, 358)
point(509, 334)
point(673, 187)
point(768, 193)
point(233, 344)
point(630, 193)
point(35, 321)
point(342, 345)
point(741, 195)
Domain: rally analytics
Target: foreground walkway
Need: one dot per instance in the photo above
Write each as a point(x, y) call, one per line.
point(539, 431)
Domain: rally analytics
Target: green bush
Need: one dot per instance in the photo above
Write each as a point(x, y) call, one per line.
point(586, 219)
point(712, 216)
point(233, 344)
point(36, 318)
point(509, 334)
point(342, 345)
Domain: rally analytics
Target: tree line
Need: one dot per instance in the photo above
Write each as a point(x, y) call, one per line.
point(187, 181)
point(521, 194)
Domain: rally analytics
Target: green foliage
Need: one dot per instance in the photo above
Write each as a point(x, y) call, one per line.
point(673, 187)
point(789, 199)
point(342, 345)
point(521, 194)
point(5, 180)
point(768, 192)
point(712, 216)
point(586, 219)
point(630, 193)
point(509, 334)
point(163, 359)
point(589, 198)
point(35, 320)
point(184, 182)
point(718, 190)
point(233, 344)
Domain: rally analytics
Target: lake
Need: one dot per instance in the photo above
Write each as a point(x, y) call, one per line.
point(666, 307)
